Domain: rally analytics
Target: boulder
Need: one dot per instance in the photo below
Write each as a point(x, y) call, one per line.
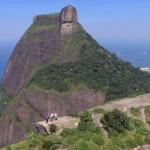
point(68, 20)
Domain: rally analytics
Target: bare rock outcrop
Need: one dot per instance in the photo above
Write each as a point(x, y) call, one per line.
point(41, 128)
point(68, 20)
point(11, 133)
point(63, 104)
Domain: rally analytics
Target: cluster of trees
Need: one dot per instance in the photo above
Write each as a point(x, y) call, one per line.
point(95, 68)
point(116, 122)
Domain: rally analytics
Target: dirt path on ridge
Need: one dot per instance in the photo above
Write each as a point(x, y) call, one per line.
point(126, 103)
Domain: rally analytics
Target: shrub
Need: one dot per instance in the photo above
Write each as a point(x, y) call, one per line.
point(92, 128)
point(56, 139)
point(66, 132)
point(147, 139)
point(54, 142)
point(147, 109)
point(82, 145)
point(47, 144)
point(32, 140)
point(82, 126)
point(86, 135)
point(52, 128)
point(31, 136)
point(139, 139)
point(71, 140)
point(55, 146)
point(92, 145)
point(130, 142)
point(119, 142)
point(139, 126)
point(148, 119)
point(135, 111)
point(147, 112)
point(8, 148)
point(86, 117)
point(116, 122)
point(65, 144)
point(98, 139)
point(111, 146)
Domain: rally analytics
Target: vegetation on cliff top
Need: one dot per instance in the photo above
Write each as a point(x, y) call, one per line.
point(91, 137)
point(95, 68)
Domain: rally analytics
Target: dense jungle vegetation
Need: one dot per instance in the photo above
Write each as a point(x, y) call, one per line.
point(96, 68)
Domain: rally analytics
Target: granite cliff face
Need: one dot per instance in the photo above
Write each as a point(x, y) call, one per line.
point(40, 42)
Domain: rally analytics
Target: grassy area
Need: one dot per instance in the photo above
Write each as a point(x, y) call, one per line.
point(99, 111)
point(40, 27)
point(135, 111)
point(147, 112)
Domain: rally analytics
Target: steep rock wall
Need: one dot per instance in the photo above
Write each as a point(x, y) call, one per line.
point(10, 133)
point(17, 119)
point(66, 104)
point(42, 41)
point(31, 106)
point(37, 44)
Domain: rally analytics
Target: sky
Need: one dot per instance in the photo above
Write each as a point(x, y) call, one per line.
point(103, 19)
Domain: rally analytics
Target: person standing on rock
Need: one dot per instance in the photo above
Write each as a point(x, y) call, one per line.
point(55, 116)
point(52, 115)
point(46, 118)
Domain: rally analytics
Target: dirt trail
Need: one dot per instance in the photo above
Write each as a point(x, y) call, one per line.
point(124, 104)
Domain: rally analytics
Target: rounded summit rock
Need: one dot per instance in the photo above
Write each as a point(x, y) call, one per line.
point(68, 20)
point(68, 14)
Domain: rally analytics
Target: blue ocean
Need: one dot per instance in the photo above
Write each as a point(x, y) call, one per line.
point(136, 52)
point(6, 48)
